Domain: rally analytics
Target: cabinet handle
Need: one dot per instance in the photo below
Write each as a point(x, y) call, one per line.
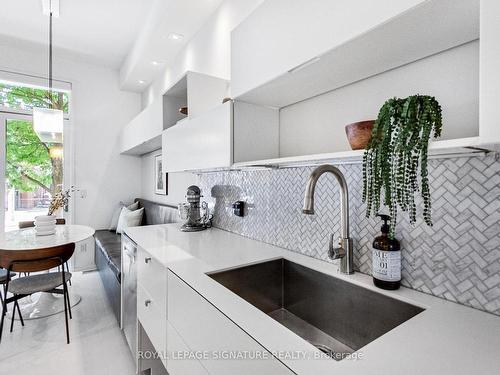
point(147, 260)
point(147, 302)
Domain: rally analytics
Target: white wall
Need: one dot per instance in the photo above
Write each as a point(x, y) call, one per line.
point(209, 52)
point(99, 112)
point(316, 125)
point(177, 182)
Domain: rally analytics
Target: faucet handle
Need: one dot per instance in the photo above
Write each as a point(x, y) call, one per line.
point(336, 252)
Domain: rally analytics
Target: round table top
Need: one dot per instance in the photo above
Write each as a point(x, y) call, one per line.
point(26, 239)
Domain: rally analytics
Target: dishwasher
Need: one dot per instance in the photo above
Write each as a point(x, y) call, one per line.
point(128, 319)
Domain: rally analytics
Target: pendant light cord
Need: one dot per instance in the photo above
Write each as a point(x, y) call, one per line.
point(50, 56)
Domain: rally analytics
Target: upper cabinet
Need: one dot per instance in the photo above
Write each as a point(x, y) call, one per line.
point(283, 35)
point(225, 134)
point(141, 134)
point(202, 142)
point(490, 73)
point(301, 71)
point(322, 66)
point(144, 133)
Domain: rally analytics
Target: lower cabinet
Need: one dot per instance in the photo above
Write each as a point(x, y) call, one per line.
point(152, 319)
point(221, 346)
point(151, 313)
point(181, 333)
point(180, 360)
point(83, 258)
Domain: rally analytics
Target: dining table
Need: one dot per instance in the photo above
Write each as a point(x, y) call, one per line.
point(41, 305)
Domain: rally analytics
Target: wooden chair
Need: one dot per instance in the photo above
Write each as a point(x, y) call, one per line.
point(35, 261)
point(30, 224)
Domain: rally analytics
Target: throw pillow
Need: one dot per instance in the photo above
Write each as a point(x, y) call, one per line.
point(129, 218)
point(116, 215)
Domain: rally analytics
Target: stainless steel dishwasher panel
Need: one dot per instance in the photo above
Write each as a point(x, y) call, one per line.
point(129, 292)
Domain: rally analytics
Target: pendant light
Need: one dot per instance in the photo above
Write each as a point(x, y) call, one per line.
point(48, 122)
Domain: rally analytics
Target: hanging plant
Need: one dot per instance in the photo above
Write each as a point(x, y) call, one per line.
point(397, 154)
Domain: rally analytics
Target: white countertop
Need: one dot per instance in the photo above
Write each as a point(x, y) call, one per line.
point(447, 338)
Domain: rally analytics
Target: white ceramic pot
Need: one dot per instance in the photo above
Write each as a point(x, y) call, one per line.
point(45, 225)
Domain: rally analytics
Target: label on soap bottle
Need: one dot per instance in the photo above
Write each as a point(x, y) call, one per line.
point(386, 265)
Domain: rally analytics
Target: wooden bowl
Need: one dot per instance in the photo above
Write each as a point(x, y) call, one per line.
point(359, 134)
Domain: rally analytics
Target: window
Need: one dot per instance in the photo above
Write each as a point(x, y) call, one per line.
point(33, 160)
point(25, 97)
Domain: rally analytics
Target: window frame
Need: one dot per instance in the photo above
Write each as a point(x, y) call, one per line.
point(7, 113)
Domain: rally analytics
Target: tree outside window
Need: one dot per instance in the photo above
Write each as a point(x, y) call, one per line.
point(31, 164)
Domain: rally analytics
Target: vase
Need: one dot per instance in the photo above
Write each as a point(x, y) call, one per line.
point(45, 225)
point(359, 134)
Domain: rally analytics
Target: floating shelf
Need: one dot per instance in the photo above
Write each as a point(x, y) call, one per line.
point(448, 148)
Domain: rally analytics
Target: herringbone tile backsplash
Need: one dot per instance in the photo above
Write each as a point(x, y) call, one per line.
point(457, 259)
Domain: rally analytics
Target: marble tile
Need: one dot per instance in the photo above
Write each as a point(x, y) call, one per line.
point(463, 244)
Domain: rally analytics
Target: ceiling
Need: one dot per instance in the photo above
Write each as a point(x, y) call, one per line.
point(99, 30)
point(122, 34)
point(153, 45)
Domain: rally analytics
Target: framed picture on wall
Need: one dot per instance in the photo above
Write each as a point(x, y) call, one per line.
point(161, 179)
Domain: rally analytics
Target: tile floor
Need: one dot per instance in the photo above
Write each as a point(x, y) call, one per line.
point(97, 344)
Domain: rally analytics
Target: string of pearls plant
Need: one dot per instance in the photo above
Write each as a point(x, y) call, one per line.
point(395, 160)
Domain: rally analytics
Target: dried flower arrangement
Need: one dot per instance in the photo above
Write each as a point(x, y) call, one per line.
point(59, 200)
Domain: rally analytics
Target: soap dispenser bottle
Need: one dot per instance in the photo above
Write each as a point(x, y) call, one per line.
point(386, 259)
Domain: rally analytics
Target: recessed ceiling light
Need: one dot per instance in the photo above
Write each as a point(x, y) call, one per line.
point(142, 82)
point(155, 63)
point(175, 36)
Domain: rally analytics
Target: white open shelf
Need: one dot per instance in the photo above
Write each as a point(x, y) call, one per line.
point(433, 48)
point(449, 148)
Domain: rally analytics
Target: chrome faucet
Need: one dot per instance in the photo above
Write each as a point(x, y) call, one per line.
point(344, 250)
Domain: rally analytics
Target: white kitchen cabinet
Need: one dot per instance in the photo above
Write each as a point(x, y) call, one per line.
point(204, 92)
point(153, 319)
point(152, 276)
point(215, 139)
point(143, 133)
point(179, 362)
point(323, 67)
point(489, 73)
point(152, 301)
point(203, 142)
point(204, 328)
point(199, 92)
point(147, 363)
point(282, 34)
point(83, 258)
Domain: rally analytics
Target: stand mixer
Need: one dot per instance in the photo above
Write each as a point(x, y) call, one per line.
point(194, 211)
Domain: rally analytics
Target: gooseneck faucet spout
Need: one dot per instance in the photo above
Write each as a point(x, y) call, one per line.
point(344, 251)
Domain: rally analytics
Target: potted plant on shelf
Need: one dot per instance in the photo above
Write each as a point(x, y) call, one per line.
point(395, 161)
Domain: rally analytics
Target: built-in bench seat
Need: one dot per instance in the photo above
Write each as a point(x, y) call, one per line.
point(108, 249)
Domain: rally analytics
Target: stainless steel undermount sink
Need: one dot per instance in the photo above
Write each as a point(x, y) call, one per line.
point(336, 316)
